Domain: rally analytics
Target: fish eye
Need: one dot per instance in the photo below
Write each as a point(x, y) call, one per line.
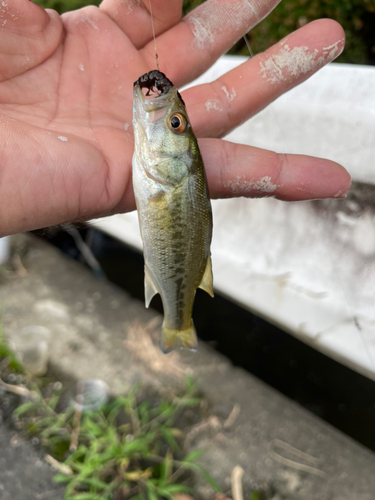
point(177, 123)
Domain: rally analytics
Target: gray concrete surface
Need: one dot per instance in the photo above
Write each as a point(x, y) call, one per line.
point(24, 475)
point(98, 331)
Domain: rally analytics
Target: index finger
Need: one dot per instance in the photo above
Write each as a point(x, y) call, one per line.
point(194, 44)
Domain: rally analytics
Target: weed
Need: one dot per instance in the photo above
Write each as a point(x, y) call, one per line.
point(130, 448)
point(66, 5)
point(7, 354)
point(356, 16)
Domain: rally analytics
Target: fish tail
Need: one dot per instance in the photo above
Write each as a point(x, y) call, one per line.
point(172, 338)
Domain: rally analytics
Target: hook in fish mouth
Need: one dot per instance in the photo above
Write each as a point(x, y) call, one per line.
point(156, 81)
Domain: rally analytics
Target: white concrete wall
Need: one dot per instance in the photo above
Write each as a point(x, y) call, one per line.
point(309, 266)
point(4, 249)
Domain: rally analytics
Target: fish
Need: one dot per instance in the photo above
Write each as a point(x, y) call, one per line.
point(173, 204)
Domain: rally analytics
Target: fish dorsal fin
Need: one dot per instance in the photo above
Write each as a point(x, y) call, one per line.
point(207, 280)
point(150, 288)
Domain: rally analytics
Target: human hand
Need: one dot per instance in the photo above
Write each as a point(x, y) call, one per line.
point(66, 103)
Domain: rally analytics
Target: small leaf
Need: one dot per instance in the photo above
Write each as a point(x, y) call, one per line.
point(54, 399)
point(167, 467)
point(190, 384)
point(168, 436)
point(210, 480)
point(84, 496)
point(151, 491)
point(177, 488)
point(62, 478)
point(143, 410)
point(191, 457)
point(255, 495)
point(176, 432)
point(191, 402)
point(26, 407)
point(96, 482)
point(91, 427)
point(138, 474)
point(162, 492)
point(124, 463)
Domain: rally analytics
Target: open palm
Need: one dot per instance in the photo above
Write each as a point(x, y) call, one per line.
point(66, 104)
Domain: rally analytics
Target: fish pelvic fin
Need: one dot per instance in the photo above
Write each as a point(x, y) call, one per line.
point(171, 338)
point(207, 280)
point(150, 288)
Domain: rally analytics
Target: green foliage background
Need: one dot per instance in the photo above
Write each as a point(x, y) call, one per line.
point(65, 5)
point(356, 16)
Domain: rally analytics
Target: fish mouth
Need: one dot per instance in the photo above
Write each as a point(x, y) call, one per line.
point(158, 84)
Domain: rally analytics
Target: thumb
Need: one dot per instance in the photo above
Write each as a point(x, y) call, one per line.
point(29, 34)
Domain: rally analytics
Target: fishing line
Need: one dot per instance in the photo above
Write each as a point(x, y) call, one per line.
point(153, 35)
point(248, 46)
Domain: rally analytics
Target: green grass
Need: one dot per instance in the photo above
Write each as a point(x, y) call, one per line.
point(13, 363)
point(131, 448)
point(66, 5)
point(356, 16)
point(289, 15)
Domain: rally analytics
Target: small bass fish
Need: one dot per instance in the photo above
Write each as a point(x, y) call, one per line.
point(174, 208)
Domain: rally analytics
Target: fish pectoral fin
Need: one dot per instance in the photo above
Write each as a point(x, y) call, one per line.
point(150, 288)
point(164, 175)
point(207, 280)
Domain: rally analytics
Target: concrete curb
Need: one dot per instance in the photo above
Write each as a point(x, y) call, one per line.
point(98, 331)
point(23, 473)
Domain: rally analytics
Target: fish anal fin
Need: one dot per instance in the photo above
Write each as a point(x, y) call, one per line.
point(150, 288)
point(207, 280)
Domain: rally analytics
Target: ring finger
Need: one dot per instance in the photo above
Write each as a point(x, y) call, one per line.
point(218, 107)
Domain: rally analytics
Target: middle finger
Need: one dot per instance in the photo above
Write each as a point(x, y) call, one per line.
point(206, 33)
point(133, 17)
